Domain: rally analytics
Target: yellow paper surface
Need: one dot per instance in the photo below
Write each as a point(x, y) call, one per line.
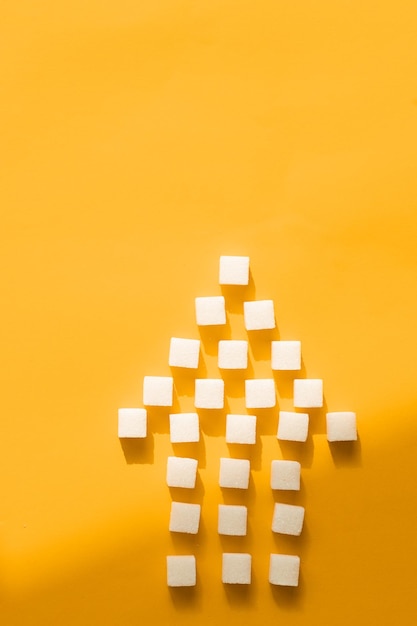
point(139, 141)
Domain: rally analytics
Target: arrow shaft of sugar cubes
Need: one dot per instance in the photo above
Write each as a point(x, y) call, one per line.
point(234, 473)
point(285, 475)
point(181, 571)
point(236, 568)
point(287, 519)
point(232, 520)
point(184, 518)
point(181, 472)
point(284, 570)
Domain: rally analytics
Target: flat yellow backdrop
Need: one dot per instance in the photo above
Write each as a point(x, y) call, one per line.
point(139, 141)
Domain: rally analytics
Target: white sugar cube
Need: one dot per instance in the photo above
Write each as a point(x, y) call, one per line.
point(292, 426)
point(132, 423)
point(232, 520)
point(286, 355)
point(260, 393)
point(210, 311)
point(234, 270)
point(181, 571)
point(234, 473)
point(233, 355)
point(181, 472)
point(284, 569)
point(285, 475)
point(308, 393)
point(341, 426)
point(241, 429)
point(209, 393)
point(158, 390)
point(184, 427)
point(259, 315)
point(184, 352)
point(288, 519)
point(184, 518)
point(236, 568)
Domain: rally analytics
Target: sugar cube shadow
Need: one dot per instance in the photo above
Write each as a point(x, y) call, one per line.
point(242, 595)
point(290, 544)
point(234, 382)
point(184, 379)
point(289, 496)
point(138, 451)
point(236, 295)
point(267, 420)
point(190, 496)
point(158, 418)
point(346, 453)
point(211, 335)
point(260, 343)
point(187, 599)
point(234, 543)
point(317, 422)
point(301, 451)
point(239, 496)
point(187, 543)
point(253, 452)
point(193, 450)
point(213, 421)
point(289, 598)
point(284, 380)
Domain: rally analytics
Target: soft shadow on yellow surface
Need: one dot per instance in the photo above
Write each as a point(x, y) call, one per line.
point(344, 541)
point(138, 450)
point(139, 142)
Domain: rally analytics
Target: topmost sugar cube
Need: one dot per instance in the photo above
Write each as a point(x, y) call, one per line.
point(234, 270)
point(259, 314)
point(210, 311)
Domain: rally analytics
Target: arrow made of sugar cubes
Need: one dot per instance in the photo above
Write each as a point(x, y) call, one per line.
point(240, 429)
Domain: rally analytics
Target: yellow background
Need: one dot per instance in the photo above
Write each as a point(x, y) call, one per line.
point(139, 141)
